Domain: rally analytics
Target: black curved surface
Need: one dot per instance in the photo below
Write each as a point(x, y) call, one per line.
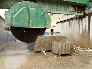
point(27, 35)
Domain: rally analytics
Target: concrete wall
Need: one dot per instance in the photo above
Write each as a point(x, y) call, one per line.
point(75, 30)
point(91, 32)
point(2, 31)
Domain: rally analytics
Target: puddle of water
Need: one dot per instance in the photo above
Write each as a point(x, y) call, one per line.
point(12, 62)
point(11, 58)
point(15, 62)
point(2, 63)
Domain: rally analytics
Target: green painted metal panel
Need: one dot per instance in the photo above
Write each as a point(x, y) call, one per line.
point(22, 20)
point(47, 20)
point(6, 4)
point(63, 7)
point(59, 7)
point(12, 11)
point(90, 4)
point(79, 1)
point(27, 14)
point(37, 20)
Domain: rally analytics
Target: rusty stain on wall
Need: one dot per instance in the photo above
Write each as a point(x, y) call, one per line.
point(90, 29)
point(77, 30)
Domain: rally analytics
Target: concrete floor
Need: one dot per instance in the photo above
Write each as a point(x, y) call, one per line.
point(16, 55)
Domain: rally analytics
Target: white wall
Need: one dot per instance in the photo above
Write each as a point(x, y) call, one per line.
point(2, 31)
point(76, 30)
point(91, 32)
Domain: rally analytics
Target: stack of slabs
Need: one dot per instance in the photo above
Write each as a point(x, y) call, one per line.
point(62, 47)
point(44, 43)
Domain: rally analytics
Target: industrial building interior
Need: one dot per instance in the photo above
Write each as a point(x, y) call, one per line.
point(45, 34)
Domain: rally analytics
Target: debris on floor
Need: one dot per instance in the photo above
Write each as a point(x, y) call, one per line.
point(16, 55)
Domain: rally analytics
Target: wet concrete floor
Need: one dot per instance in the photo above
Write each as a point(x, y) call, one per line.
point(16, 55)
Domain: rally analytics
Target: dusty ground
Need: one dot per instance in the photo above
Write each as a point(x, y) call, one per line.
point(17, 55)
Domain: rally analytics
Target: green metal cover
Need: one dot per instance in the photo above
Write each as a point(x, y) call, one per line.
point(27, 14)
point(6, 4)
point(61, 8)
point(79, 1)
